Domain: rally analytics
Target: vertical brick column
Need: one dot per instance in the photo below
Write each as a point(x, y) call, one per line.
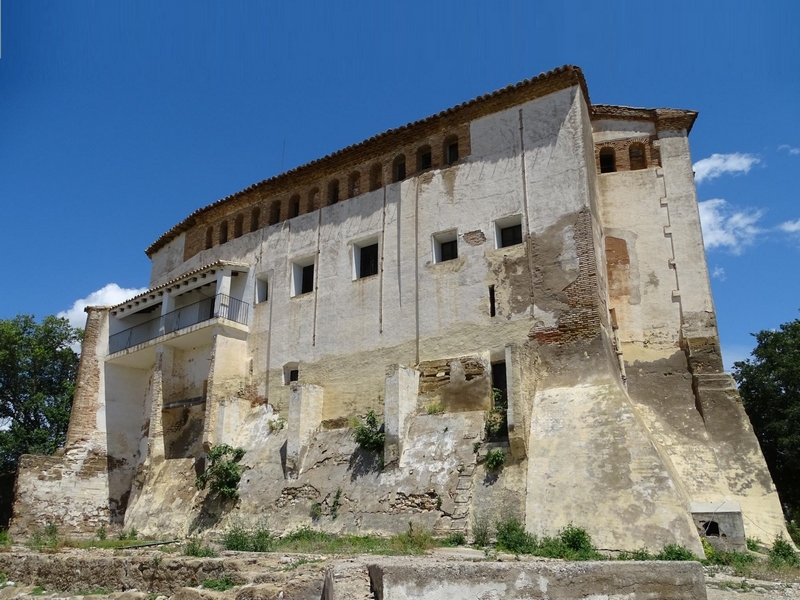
point(87, 421)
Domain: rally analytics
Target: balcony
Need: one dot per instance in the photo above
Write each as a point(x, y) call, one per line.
point(220, 306)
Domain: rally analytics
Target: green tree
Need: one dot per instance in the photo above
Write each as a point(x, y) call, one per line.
point(37, 380)
point(769, 383)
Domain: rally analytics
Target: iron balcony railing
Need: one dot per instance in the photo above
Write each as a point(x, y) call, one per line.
point(221, 305)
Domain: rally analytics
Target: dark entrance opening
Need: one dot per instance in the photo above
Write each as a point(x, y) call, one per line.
point(711, 528)
point(497, 422)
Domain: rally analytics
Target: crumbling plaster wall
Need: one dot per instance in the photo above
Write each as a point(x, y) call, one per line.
point(659, 289)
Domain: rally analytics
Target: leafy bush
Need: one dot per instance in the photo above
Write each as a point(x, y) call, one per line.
point(576, 538)
point(222, 584)
point(224, 472)
point(455, 539)
point(495, 423)
point(259, 539)
point(640, 554)
point(480, 532)
point(368, 434)
point(195, 548)
point(512, 537)
point(675, 552)
point(782, 553)
point(754, 544)
point(495, 459)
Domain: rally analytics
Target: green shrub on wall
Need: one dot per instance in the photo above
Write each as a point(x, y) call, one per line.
point(224, 471)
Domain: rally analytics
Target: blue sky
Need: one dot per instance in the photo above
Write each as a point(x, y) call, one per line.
point(118, 119)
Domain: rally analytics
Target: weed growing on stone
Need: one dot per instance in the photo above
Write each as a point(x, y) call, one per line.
point(102, 533)
point(336, 504)
point(275, 425)
point(495, 459)
point(45, 540)
point(222, 584)
point(128, 535)
point(316, 510)
point(224, 471)
point(195, 548)
point(476, 447)
point(435, 408)
point(5, 538)
point(675, 552)
point(310, 541)
point(299, 562)
point(38, 591)
point(368, 434)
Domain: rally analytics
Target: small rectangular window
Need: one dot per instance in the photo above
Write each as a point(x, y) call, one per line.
point(302, 277)
point(510, 236)
point(308, 279)
point(449, 250)
point(492, 309)
point(508, 231)
point(262, 290)
point(369, 261)
point(445, 246)
point(291, 372)
point(294, 375)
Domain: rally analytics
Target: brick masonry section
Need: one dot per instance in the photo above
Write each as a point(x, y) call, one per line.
point(622, 152)
point(581, 321)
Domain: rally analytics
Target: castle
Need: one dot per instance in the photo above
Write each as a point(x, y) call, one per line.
point(526, 258)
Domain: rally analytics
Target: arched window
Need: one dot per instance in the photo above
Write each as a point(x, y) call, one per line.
point(450, 149)
point(333, 192)
point(312, 199)
point(399, 168)
point(275, 212)
point(209, 237)
point(608, 160)
point(238, 226)
point(294, 206)
point(424, 158)
point(255, 217)
point(223, 232)
point(376, 177)
point(637, 157)
point(354, 185)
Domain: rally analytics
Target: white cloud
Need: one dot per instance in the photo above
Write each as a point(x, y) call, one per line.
point(106, 296)
point(790, 226)
point(718, 273)
point(790, 149)
point(724, 227)
point(719, 164)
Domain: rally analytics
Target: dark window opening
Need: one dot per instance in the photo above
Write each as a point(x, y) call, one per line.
point(451, 151)
point(510, 236)
point(209, 237)
point(492, 311)
point(223, 232)
point(637, 157)
point(424, 158)
point(399, 168)
point(711, 528)
point(354, 185)
point(498, 416)
point(312, 200)
point(275, 213)
point(307, 284)
point(375, 177)
point(369, 261)
point(449, 250)
point(294, 375)
point(333, 192)
point(238, 226)
point(255, 217)
point(608, 160)
point(294, 207)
